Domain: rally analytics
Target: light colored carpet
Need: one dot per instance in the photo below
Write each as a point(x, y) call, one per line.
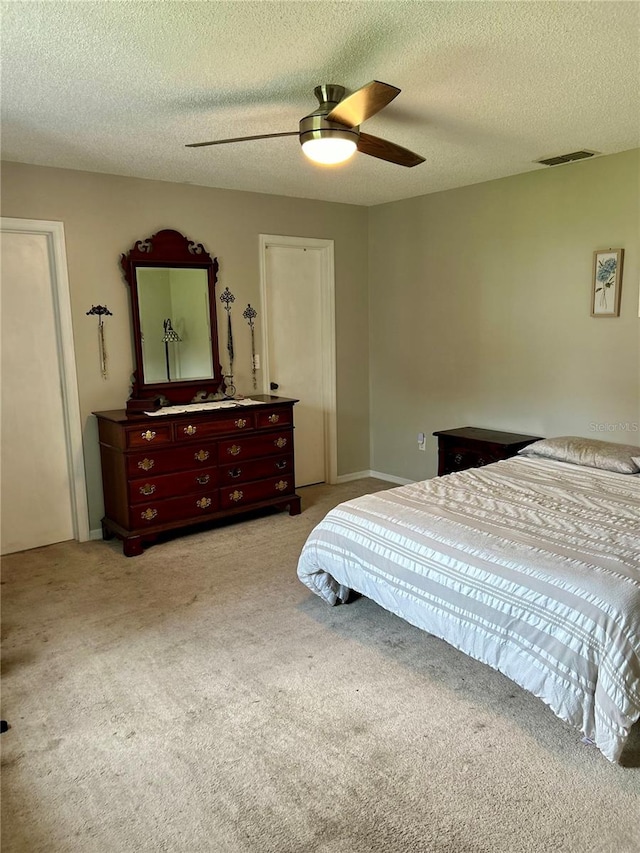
point(200, 698)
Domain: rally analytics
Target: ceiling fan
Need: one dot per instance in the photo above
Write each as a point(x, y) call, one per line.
point(331, 134)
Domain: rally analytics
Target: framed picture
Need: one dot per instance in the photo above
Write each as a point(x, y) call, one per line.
point(607, 280)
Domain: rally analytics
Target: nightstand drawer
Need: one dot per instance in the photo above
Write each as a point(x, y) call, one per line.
point(459, 459)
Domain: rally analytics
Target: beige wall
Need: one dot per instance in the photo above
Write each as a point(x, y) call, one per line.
point(104, 215)
point(480, 304)
point(471, 308)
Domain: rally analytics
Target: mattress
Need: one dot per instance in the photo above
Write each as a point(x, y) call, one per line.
point(530, 566)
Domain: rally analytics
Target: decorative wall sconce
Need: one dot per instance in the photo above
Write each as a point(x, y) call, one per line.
point(227, 298)
point(250, 315)
point(101, 311)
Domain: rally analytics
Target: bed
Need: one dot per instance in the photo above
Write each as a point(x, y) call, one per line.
point(530, 565)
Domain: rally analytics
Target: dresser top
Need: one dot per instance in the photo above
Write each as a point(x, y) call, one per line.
point(491, 436)
point(121, 415)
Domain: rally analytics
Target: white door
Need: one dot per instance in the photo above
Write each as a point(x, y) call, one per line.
point(299, 332)
point(37, 490)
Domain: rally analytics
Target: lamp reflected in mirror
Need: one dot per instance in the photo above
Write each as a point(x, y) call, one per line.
point(170, 337)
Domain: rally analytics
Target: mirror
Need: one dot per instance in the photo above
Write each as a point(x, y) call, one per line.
point(174, 324)
point(172, 281)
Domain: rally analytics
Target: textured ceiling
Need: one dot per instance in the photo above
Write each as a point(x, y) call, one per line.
point(487, 88)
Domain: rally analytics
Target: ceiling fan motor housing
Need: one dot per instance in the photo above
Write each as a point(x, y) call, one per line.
point(316, 126)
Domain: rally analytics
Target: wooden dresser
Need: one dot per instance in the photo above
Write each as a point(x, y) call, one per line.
point(165, 472)
point(472, 447)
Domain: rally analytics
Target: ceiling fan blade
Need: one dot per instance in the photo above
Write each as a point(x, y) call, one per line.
point(241, 139)
point(384, 150)
point(363, 103)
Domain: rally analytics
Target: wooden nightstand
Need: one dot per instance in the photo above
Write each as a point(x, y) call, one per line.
point(471, 447)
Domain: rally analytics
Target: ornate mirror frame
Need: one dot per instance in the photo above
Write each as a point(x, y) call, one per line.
point(172, 250)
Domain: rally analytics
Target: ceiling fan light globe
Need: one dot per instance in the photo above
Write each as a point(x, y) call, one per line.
point(330, 150)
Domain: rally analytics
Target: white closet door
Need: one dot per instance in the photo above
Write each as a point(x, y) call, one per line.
point(36, 495)
point(294, 318)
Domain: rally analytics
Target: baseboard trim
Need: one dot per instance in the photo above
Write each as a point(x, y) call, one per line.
point(356, 475)
point(378, 475)
point(95, 534)
point(391, 478)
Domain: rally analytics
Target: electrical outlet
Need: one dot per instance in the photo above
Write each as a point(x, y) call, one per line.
point(422, 441)
point(256, 362)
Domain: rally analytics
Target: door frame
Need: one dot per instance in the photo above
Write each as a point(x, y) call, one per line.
point(56, 247)
point(327, 332)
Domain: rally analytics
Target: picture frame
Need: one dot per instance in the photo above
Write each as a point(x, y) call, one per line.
point(607, 282)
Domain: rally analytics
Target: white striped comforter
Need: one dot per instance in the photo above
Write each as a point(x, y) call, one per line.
point(528, 565)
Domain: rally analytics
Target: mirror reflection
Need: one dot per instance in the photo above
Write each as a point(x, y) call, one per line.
point(174, 324)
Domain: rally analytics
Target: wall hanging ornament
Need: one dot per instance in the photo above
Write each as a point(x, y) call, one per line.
point(227, 298)
point(250, 315)
point(101, 311)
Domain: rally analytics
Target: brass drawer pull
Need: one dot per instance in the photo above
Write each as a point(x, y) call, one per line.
point(273, 419)
point(234, 449)
point(190, 430)
point(240, 423)
point(281, 464)
point(201, 455)
point(149, 435)
point(147, 489)
point(235, 472)
point(203, 480)
point(236, 496)
point(203, 503)
point(148, 514)
point(146, 464)
point(281, 485)
point(280, 442)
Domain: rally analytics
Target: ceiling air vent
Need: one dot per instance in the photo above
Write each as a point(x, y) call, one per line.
point(566, 158)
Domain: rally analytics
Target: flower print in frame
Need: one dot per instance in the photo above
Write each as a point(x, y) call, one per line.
point(607, 279)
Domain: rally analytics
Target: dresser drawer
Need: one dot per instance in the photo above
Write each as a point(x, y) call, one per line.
point(170, 485)
point(153, 513)
point(196, 456)
point(238, 449)
point(238, 422)
point(152, 436)
point(246, 493)
point(256, 469)
point(268, 418)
